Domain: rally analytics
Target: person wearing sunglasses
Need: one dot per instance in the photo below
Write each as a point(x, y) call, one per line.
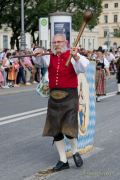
point(62, 112)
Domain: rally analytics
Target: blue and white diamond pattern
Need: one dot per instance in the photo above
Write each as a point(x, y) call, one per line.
point(88, 138)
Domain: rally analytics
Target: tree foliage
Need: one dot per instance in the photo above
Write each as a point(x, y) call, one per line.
point(34, 9)
point(81, 6)
point(117, 34)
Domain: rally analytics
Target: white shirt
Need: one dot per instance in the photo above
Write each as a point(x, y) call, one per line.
point(110, 57)
point(2, 55)
point(106, 63)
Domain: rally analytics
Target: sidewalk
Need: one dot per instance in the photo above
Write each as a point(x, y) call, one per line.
point(25, 88)
point(22, 88)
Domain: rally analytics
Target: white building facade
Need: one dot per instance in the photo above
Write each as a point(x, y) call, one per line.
point(88, 40)
point(109, 23)
point(5, 36)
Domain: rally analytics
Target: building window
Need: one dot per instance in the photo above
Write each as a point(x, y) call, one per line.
point(115, 18)
point(105, 5)
point(93, 43)
point(89, 44)
point(105, 33)
point(5, 41)
point(84, 43)
point(105, 19)
point(115, 5)
point(115, 30)
point(115, 45)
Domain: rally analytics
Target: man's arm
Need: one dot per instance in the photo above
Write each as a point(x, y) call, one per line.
point(79, 63)
point(44, 61)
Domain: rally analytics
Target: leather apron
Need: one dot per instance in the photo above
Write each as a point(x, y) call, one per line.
point(62, 113)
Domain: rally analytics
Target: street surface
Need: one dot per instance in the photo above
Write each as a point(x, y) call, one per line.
point(24, 152)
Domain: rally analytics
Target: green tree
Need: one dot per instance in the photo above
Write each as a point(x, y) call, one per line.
point(11, 17)
point(81, 6)
point(34, 9)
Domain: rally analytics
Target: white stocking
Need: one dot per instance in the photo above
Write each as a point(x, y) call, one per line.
point(61, 150)
point(119, 87)
point(73, 143)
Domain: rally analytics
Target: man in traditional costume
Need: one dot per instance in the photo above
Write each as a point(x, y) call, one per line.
point(62, 113)
point(102, 68)
point(118, 75)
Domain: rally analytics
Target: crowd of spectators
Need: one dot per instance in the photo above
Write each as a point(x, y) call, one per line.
point(110, 57)
point(15, 71)
point(107, 63)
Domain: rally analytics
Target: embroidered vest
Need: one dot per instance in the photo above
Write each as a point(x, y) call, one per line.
point(61, 76)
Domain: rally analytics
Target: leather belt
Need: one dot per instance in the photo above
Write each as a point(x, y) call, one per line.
point(58, 94)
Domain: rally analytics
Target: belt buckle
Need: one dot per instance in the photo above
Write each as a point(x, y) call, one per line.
point(58, 94)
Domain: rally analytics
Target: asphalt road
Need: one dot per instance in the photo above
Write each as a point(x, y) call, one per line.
point(24, 152)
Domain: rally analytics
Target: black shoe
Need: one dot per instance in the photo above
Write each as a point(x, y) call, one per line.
point(118, 93)
point(78, 160)
point(97, 99)
point(61, 166)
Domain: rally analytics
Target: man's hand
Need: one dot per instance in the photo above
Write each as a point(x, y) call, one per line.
point(38, 52)
point(73, 52)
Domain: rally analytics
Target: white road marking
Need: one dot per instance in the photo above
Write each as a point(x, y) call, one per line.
point(109, 95)
point(36, 112)
point(21, 118)
point(22, 114)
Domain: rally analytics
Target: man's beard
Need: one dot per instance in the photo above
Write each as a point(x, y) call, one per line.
point(62, 50)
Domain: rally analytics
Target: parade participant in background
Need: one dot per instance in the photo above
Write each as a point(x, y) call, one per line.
point(29, 69)
point(3, 54)
point(111, 59)
point(1, 77)
point(6, 66)
point(13, 71)
point(118, 75)
point(102, 69)
point(41, 69)
point(62, 113)
point(21, 72)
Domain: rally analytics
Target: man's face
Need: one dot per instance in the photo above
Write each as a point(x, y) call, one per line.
point(59, 44)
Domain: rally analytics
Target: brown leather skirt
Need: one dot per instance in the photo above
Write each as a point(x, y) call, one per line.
point(62, 115)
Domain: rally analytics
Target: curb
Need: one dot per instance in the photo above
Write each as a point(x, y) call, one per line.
point(17, 90)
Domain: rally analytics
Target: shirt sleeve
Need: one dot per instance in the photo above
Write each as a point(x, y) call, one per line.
point(80, 65)
point(44, 61)
point(106, 63)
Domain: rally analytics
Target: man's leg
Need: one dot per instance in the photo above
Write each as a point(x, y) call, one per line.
point(76, 156)
point(118, 84)
point(28, 76)
point(62, 163)
point(73, 143)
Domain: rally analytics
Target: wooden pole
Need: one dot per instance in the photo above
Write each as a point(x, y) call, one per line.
point(87, 17)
